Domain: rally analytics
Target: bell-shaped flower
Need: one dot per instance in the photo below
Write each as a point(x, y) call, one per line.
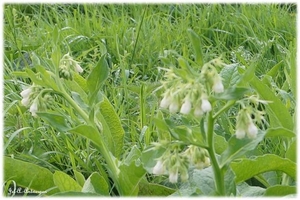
point(240, 133)
point(158, 168)
point(186, 107)
point(26, 93)
point(205, 105)
point(252, 130)
point(33, 109)
point(218, 86)
point(166, 101)
point(173, 176)
point(25, 101)
point(78, 68)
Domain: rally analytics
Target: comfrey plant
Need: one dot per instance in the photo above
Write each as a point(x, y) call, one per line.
point(187, 146)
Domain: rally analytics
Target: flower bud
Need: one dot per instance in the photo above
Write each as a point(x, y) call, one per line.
point(158, 168)
point(205, 106)
point(186, 107)
point(240, 133)
point(174, 107)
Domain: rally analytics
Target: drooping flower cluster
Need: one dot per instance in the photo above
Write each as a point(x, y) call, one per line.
point(29, 99)
point(67, 66)
point(245, 125)
point(187, 92)
point(175, 163)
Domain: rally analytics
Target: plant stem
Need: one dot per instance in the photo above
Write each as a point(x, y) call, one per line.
point(218, 173)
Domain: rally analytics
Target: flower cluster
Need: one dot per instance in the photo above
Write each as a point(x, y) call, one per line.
point(29, 99)
point(187, 92)
point(67, 66)
point(245, 125)
point(175, 163)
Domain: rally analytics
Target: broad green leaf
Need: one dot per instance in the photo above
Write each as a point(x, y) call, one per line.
point(280, 132)
point(185, 66)
point(280, 190)
point(230, 187)
point(247, 168)
point(88, 132)
point(232, 93)
point(98, 75)
point(248, 74)
point(220, 144)
point(65, 183)
point(274, 71)
point(56, 56)
point(114, 124)
point(276, 109)
point(56, 120)
point(153, 189)
point(134, 155)
point(238, 147)
point(244, 190)
point(79, 178)
point(46, 77)
point(230, 75)
point(96, 184)
point(197, 46)
point(129, 178)
point(291, 152)
point(29, 175)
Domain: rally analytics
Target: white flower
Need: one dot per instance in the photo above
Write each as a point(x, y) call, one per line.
point(25, 101)
point(78, 68)
point(184, 176)
point(205, 106)
point(158, 168)
point(218, 87)
point(33, 109)
point(186, 107)
point(252, 131)
point(26, 93)
point(173, 177)
point(165, 102)
point(174, 107)
point(240, 133)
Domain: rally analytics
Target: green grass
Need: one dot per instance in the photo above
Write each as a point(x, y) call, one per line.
point(134, 36)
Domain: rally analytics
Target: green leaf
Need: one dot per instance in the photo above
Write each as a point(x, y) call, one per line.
point(280, 132)
point(244, 190)
point(247, 168)
point(153, 189)
point(79, 178)
point(96, 184)
point(230, 187)
point(238, 147)
point(29, 175)
point(88, 132)
point(292, 151)
point(276, 109)
point(232, 93)
point(230, 75)
point(220, 144)
point(196, 42)
point(129, 178)
point(65, 183)
point(114, 125)
point(280, 190)
point(97, 76)
point(274, 71)
point(56, 120)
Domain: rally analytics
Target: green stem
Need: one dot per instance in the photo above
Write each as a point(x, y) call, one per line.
point(218, 173)
point(226, 107)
